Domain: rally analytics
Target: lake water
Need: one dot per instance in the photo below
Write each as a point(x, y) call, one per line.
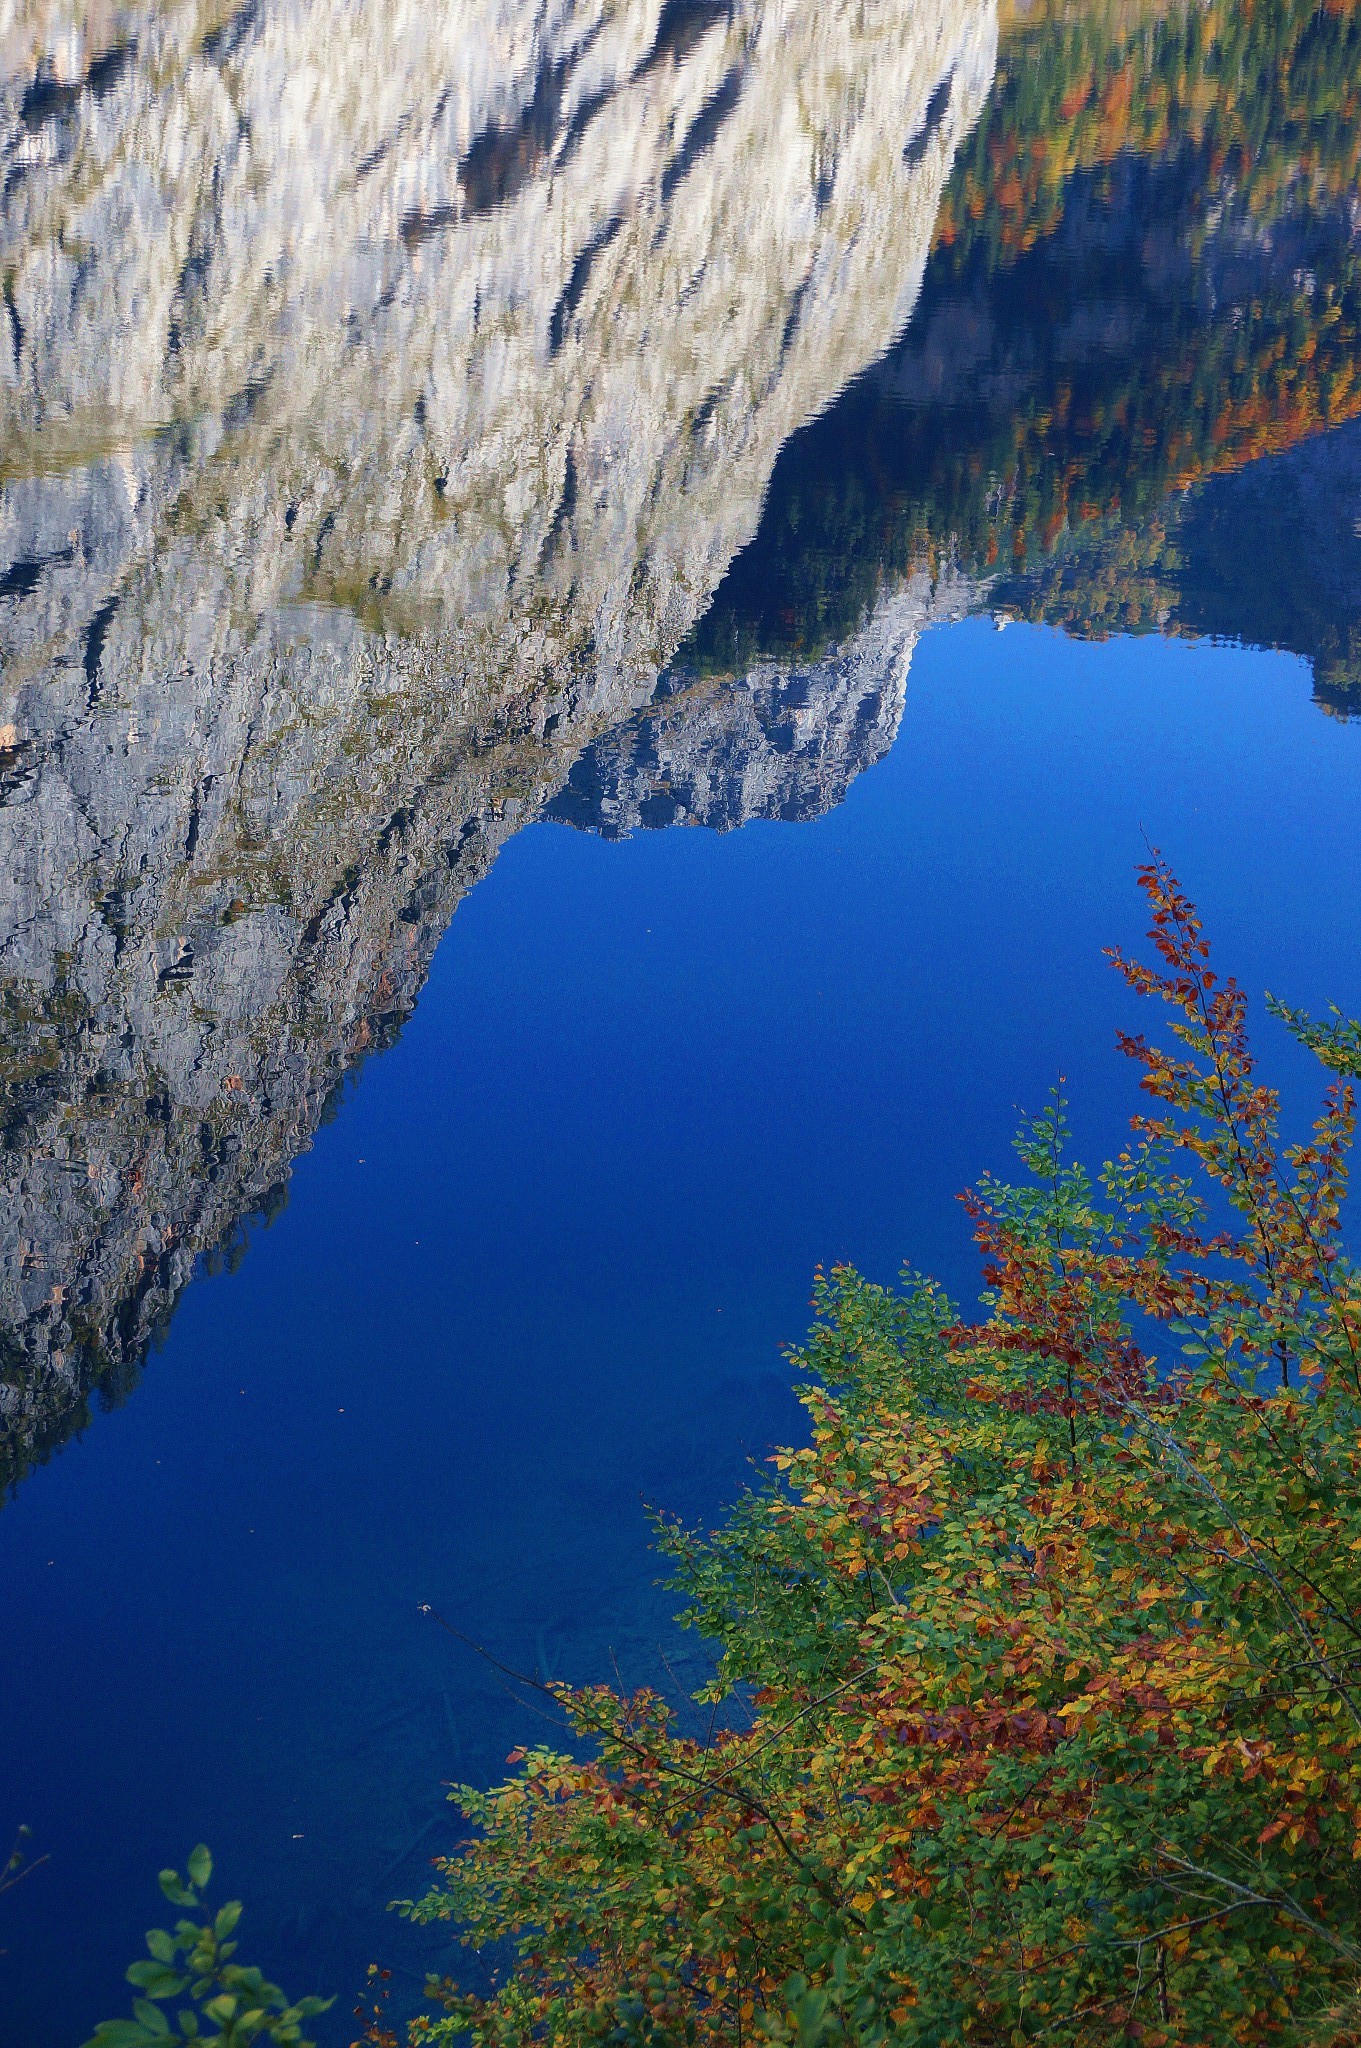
point(447, 453)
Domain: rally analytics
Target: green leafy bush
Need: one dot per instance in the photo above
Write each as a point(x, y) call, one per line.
point(228, 2005)
point(1039, 1666)
point(1042, 1662)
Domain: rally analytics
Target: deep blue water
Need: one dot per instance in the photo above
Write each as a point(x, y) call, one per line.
point(540, 1266)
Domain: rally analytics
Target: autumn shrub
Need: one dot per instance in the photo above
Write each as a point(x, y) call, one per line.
point(1038, 1694)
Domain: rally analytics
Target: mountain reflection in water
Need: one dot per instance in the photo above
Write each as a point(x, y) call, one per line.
point(417, 422)
point(384, 396)
point(384, 401)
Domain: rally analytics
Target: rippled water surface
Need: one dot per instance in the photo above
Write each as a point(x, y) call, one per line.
point(442, 447)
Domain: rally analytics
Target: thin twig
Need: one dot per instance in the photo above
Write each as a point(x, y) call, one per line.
point(8, 1882)
point(713, 1786)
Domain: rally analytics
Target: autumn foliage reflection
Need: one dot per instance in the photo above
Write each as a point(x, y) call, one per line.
point(1144, 280)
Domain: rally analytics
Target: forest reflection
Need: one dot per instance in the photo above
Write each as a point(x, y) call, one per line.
point(369, 546)
point(1124, 400)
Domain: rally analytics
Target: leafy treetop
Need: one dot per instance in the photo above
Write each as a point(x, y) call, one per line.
point(1041, 1662)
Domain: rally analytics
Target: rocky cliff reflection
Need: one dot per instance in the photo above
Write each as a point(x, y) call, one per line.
point(420, 421)
point(780, 742)
point(383, 396)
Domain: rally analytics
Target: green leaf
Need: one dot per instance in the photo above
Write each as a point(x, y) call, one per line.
point(120, 2034)
point(188, 2024)
point(200, 1865)
point(161, 1944)
point(170, 1986)
point(222, 2008)
point(227, 1918)
point(176, 1892)
point(156, 1980)
point(151, 2016)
